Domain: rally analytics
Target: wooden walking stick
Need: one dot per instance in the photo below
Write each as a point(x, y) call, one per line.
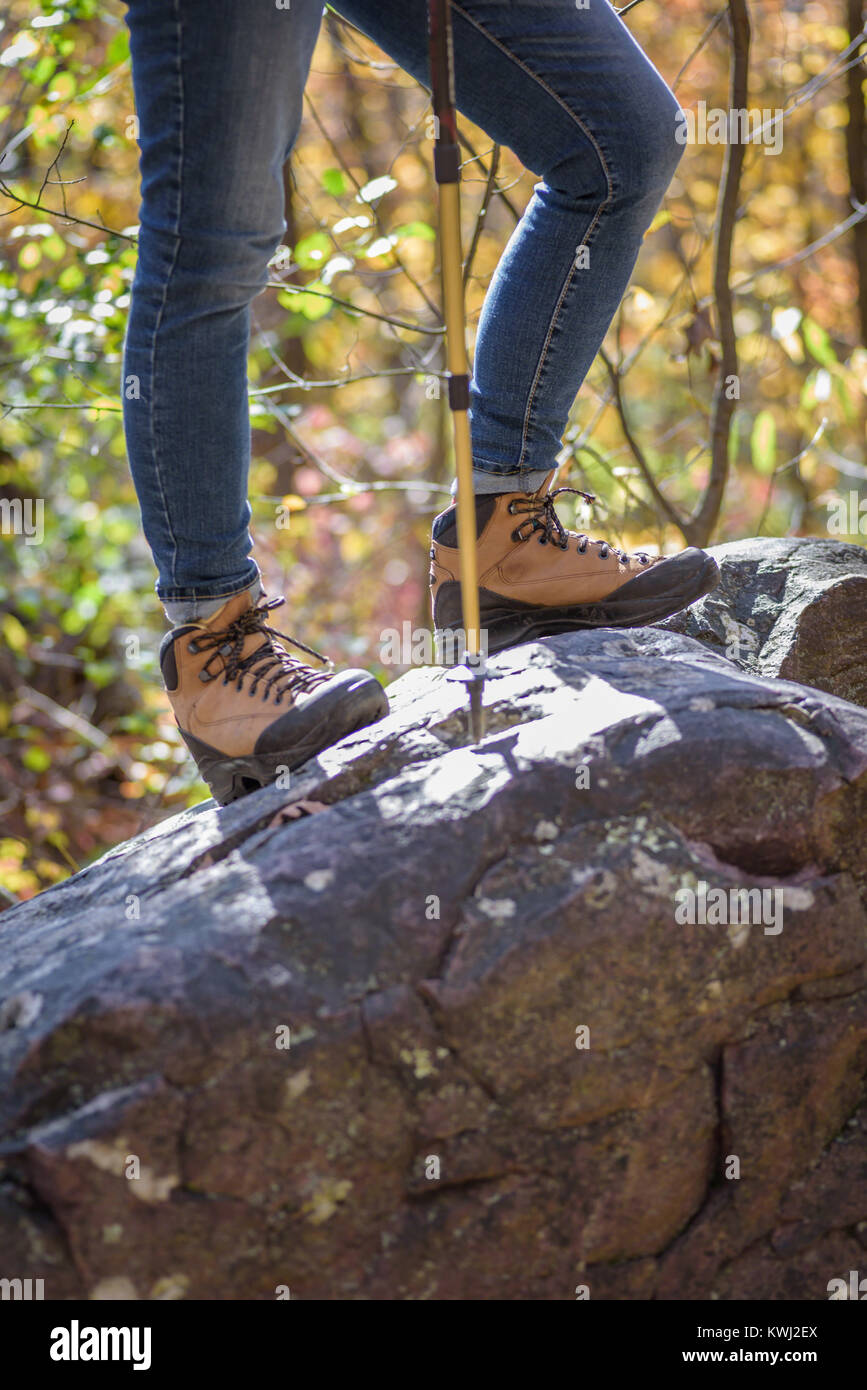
point(447, 173)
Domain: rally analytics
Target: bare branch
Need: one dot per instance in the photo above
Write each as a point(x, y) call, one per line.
point(338, 155)
point(58, 212)
point(711, 28)
point(660, 499)
point(478, 159)
point(358, 489)
point(356, 308)
point(490, 186)
point(699, 529)
point(300, 383)
point(790, 463)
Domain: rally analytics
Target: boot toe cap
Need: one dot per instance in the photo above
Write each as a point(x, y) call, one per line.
point(350, 700)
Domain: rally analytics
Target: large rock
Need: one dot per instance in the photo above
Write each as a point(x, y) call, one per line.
point(793, 608)
point(437, 926)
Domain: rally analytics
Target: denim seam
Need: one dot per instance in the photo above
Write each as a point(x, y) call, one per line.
point(582, 126)
point(498, 469)
point(495, 465)
point(165, 295)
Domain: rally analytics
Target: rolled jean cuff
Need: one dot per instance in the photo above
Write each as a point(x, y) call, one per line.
point(185, 608)
point(487, 482)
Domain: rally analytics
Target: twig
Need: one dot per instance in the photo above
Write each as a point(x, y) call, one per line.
point(74, 724)
point(9, 406)
point(53, 165)
point(714, 24)
point(790, 463)
point(58, 212)
point(358, 489)
point(338, 154)
point(605, 464)
point(856, 161)
point(309, 453)
point(356, 309)
point(741, 286)
point(300, 383)
point(490, 185)
point(661, 500)
point(698, 530)
point(478, 159)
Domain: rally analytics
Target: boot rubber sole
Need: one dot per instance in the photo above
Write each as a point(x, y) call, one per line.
point(320, 724)
point(668, 587)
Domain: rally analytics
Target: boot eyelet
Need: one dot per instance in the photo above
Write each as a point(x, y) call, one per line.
point(511, 509)
point(193, 647)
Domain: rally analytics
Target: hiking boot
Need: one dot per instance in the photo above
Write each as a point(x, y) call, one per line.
point(246, 709)
point(537, 579)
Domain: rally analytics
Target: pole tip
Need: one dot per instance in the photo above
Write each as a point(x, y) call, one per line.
point(477, 714)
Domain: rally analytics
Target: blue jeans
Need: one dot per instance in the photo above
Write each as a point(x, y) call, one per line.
point(218, 89)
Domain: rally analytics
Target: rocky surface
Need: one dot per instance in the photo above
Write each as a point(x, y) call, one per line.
point(512, 1072)
point(793, 608)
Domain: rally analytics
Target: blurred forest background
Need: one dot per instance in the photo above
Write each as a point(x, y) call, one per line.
point(754, 269)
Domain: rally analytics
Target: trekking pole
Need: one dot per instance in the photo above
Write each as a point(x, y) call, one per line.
point(447, 174)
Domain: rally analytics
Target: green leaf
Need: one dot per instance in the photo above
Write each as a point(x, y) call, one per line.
point(420, 229)
point(54, 247)
point(817, 342)
point(838, 385)
point(333, 182)
point(70, 278)
point(313, 306)
point(36, 759)
point(311, 251)
point(44, 70)
point(100, 673)
point(118, 49)
point(30, 255)
point(763, 442)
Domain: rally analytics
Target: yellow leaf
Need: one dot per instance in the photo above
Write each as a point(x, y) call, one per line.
point(660, 220)
point(293, 503)
point(14, 633)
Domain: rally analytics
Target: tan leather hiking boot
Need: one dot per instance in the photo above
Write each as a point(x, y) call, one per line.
point(246, 708)
point(537, 579)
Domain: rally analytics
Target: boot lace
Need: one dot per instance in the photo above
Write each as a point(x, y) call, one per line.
point(269, 665)
point(543, 517)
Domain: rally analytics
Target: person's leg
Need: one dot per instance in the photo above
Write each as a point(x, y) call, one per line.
point(572, 93)
point(218, 89)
